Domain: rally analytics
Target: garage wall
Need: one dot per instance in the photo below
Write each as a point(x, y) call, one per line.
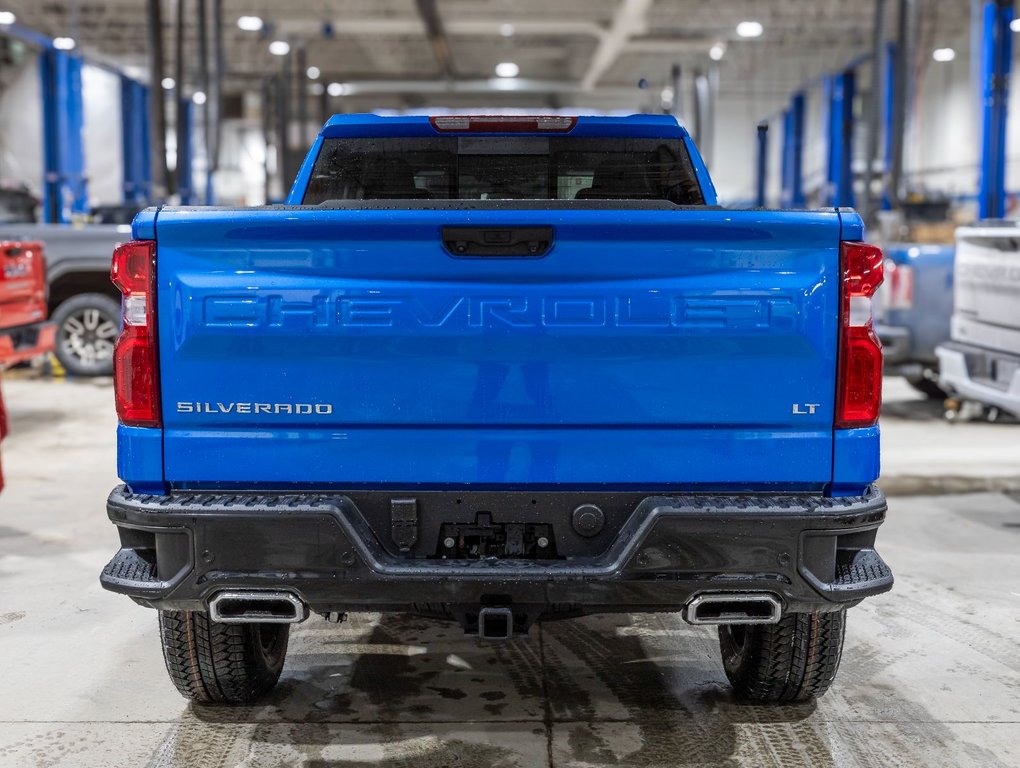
point(21, 145)
point(942, 149)
point(944, 143)
point(21, 130)
point(241, 176)
point(104, 157)
point(734, 161)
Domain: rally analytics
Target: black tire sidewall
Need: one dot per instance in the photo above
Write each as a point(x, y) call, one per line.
point(71, 306)
point(793, 660)
point(927, 387)
point(215, 663)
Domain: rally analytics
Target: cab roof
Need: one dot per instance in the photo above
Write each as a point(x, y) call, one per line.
point(377, 126)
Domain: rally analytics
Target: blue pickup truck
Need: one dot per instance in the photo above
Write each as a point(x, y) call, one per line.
point(913, 308)
point(498, 370)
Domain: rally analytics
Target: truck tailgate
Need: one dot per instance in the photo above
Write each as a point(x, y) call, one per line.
point(987, 287)
point(22, 284)
point(348, 347)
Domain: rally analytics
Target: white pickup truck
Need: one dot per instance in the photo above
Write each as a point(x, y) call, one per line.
point(982, 361)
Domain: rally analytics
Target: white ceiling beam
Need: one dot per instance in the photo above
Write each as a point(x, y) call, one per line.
point(662, 45)
point(348, 27)
point(541, 28)
point(629, 20)
point(491, 85)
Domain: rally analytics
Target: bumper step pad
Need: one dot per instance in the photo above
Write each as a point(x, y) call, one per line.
point(862, 567)
point(137, 566)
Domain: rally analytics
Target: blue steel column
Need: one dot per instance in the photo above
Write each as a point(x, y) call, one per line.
point(793, 154)
point(185, 150)
point(784, 161)
point(763, 163)
point(65, 190)
point(996, 57)
point(887, 122)
point(134, 102)
point(840, 92)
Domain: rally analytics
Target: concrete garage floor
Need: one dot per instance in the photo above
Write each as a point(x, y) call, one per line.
point(931, 672)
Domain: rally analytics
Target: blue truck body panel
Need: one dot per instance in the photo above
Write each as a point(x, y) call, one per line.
point(653, 348)
point(677, 368)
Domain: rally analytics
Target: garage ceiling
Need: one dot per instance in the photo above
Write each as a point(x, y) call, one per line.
point(569, 51)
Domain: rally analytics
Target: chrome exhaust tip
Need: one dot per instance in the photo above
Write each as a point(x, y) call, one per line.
point(257, 606)
point(734, 608)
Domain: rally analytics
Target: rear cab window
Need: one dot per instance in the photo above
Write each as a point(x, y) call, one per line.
point(504, 168)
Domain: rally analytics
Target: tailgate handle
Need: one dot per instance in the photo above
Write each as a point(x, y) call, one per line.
point(14, 251)
point(505, 242)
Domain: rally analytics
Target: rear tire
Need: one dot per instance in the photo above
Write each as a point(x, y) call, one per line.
point(793, 660)
point(87, 328)
point(210, 662)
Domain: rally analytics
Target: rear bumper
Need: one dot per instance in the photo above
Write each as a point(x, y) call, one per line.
point(984, 375)
point(18, 345)
point(813, 553)
point(897, 345)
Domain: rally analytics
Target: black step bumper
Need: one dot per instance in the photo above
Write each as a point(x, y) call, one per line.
point(21, 344)
point(814, 553)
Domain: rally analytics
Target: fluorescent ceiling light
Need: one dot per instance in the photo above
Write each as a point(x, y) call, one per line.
point(1014, 25)
point(313, 73)
point(199, 98)
point(943, 54)
point(338, 89)
point(279, 47)
point(507, 30)
point(7, 18)
point(717, 51)
point(63, 43)
point(250, 23)
point(507, 69)
point(750, 29)
point(168, 83)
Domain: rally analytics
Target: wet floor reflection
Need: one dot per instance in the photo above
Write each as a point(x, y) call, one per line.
point(642, 690)
point(403, 690)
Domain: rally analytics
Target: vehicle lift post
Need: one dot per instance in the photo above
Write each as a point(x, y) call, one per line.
point(996, 59)
point(793, 153)
point(763, 163)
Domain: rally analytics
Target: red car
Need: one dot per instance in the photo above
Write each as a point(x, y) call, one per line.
point(24, 332)
point(3, 432)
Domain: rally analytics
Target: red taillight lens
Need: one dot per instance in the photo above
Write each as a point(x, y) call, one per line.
point(135, 361)
point(860, 352)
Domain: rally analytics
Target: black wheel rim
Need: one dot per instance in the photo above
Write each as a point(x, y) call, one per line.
point(268, 635)
point(737, 634)
point(268, 638)
point(736, 640)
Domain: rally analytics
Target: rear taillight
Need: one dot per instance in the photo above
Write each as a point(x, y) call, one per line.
point(898, 289)
point(135, 361)
point(859, 387)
